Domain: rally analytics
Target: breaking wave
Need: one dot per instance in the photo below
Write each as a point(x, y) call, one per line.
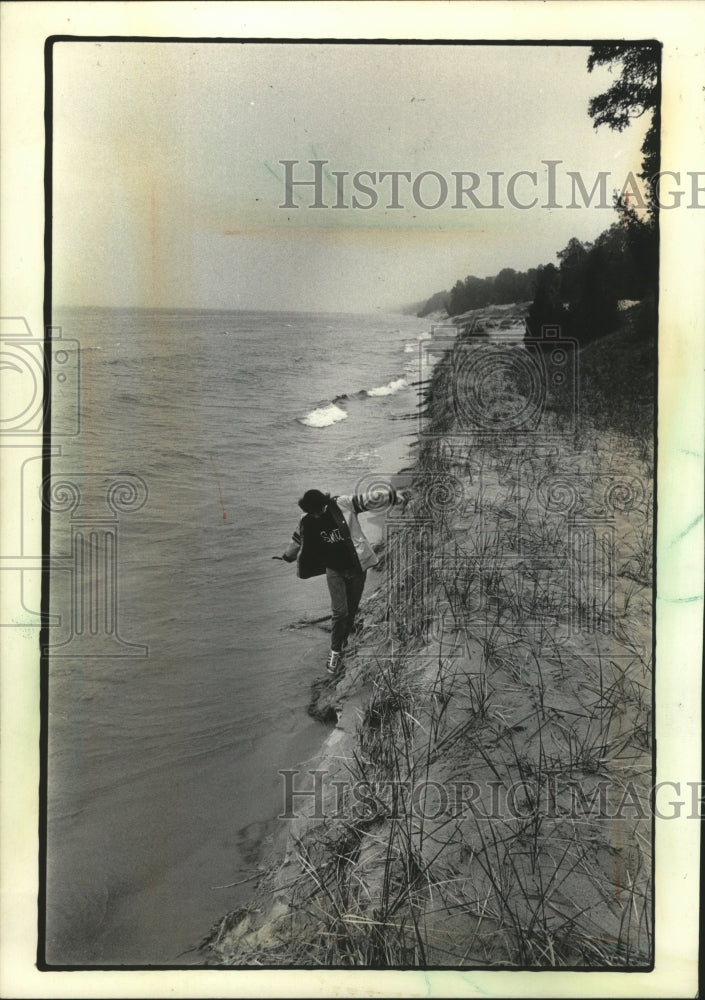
point(324, 416)
point(330, 413)
point(390, 388)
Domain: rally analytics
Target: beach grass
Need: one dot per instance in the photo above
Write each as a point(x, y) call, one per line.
point(506, 741)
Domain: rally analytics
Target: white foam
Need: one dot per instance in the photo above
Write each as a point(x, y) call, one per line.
point(391, 387)
point(362, 455)
point(410, 349)
point(324, 416)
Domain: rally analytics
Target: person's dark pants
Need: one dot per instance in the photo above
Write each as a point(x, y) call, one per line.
point(345, 588)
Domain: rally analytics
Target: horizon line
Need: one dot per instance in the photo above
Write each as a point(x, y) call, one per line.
point(399, 310)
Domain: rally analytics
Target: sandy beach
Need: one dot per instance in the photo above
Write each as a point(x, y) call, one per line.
point(482, 799)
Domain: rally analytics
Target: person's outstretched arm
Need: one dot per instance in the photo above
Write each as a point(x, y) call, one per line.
point(376, 500)
point(292, 550)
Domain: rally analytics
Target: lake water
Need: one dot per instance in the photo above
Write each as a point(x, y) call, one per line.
point(163, 769)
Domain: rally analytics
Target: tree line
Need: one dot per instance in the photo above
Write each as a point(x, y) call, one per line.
point(581, 293)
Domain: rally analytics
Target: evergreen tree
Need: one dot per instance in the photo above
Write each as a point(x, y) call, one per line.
point(595, 312)
point(572, 258)
point(547, 308)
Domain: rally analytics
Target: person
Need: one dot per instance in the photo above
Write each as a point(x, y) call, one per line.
point(329, 540)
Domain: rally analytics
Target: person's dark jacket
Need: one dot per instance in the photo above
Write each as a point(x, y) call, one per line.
point(344, 510)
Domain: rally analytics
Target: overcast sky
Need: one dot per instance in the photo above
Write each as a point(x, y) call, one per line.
point(168, 182)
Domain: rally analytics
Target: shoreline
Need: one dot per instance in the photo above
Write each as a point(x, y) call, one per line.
point(393, 457)
point(487, 663)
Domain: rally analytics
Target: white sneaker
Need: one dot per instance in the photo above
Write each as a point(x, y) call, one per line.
point(333, 662)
